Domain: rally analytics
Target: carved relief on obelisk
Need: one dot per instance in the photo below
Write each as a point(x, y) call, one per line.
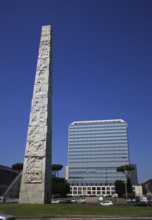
point(36, 177)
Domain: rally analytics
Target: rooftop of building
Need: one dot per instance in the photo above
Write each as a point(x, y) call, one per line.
point(2, 167)
point(98, 121)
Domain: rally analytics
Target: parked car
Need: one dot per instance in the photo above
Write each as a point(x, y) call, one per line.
point(55, 201)
point(65, 201)
point(142, 203)
point(106, 203)
point(4, 216)
point(83, 200)
point(73, 201)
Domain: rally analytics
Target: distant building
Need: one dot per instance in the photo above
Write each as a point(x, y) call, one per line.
point(147, 187)
point(66, 172)
point(138, 190)
point(7, 175)
point(133, 176)
point(95, 150)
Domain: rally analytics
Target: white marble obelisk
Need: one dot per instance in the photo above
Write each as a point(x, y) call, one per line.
point(36, 177)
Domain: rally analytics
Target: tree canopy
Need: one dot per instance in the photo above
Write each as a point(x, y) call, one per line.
point(17, 166)
point(125, 169)
point(60, 186)
point(55, 170)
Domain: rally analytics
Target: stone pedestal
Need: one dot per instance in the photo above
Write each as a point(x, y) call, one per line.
point(36, 177)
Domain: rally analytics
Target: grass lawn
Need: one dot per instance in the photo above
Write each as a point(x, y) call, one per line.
point(73, 210)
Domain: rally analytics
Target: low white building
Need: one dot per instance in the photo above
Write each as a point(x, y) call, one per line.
point(99, 190)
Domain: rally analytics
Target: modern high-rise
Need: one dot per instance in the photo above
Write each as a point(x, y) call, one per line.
point(95, 150)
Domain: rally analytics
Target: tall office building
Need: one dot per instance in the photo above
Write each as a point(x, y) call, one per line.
point(95, 150)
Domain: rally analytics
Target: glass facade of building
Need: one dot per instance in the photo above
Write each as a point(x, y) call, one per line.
point(7, 176)
point(95, 150)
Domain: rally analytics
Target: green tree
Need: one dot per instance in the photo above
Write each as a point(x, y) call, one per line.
point(120, 188)
point(17, 166)
point(125, 169)
point(55, 170)
point(60, 187)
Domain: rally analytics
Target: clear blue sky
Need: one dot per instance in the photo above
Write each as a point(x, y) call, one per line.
point(102, 69)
